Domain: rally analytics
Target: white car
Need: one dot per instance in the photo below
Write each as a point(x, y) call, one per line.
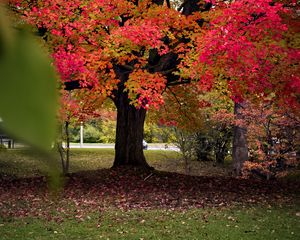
point(145, 145)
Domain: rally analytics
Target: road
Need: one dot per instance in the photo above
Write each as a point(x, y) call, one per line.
point(151, 146)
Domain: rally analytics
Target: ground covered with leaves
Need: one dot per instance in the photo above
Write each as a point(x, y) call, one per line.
point(127, 189)
point(95, 202)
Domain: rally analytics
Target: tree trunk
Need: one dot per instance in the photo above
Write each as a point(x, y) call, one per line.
point(240, 144)
point(129, 133)
point(221, 154)
point(67, 163)
point(64, 152)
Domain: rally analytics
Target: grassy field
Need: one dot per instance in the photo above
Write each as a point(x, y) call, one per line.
point(25, 162)
point(250, 223)
point(98, 203)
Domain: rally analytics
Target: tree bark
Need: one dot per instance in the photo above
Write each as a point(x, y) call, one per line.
point(240, 144)
point(221, 154)
point(129, 133)
point(67, 163)
point(64, 151)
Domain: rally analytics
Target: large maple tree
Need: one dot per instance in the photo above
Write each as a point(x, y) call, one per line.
point(138, 52)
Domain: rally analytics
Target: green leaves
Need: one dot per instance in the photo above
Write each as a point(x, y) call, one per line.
point(27, 91)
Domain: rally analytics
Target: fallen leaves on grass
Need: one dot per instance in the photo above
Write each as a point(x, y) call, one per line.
point(128, 188)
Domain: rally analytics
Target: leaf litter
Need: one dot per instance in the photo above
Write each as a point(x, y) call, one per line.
point(126, 189)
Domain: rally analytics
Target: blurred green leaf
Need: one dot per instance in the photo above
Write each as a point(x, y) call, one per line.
point(27, 89)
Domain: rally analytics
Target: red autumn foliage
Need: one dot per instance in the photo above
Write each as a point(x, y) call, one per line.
point(272, 136)
point(243, 40)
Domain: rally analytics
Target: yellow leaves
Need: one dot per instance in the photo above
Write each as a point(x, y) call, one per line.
point(143, 4)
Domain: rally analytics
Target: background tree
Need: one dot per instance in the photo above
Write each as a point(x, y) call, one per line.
point(100, 128)
point(255, 61)
point(75, 108)
point(273, 140)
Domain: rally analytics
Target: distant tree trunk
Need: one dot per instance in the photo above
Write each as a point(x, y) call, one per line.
point(221, 153)
point(240, 144)
point(65, 151)
point(222, 144)
point(67, 163)
point(129, 133)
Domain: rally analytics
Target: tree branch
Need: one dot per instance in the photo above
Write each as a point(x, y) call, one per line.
point(168, 3)
point(179, 103)
point(185, 81)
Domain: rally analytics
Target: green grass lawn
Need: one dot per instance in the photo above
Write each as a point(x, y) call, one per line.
point(232, 224)
point(25, 162)
point(73, 215)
